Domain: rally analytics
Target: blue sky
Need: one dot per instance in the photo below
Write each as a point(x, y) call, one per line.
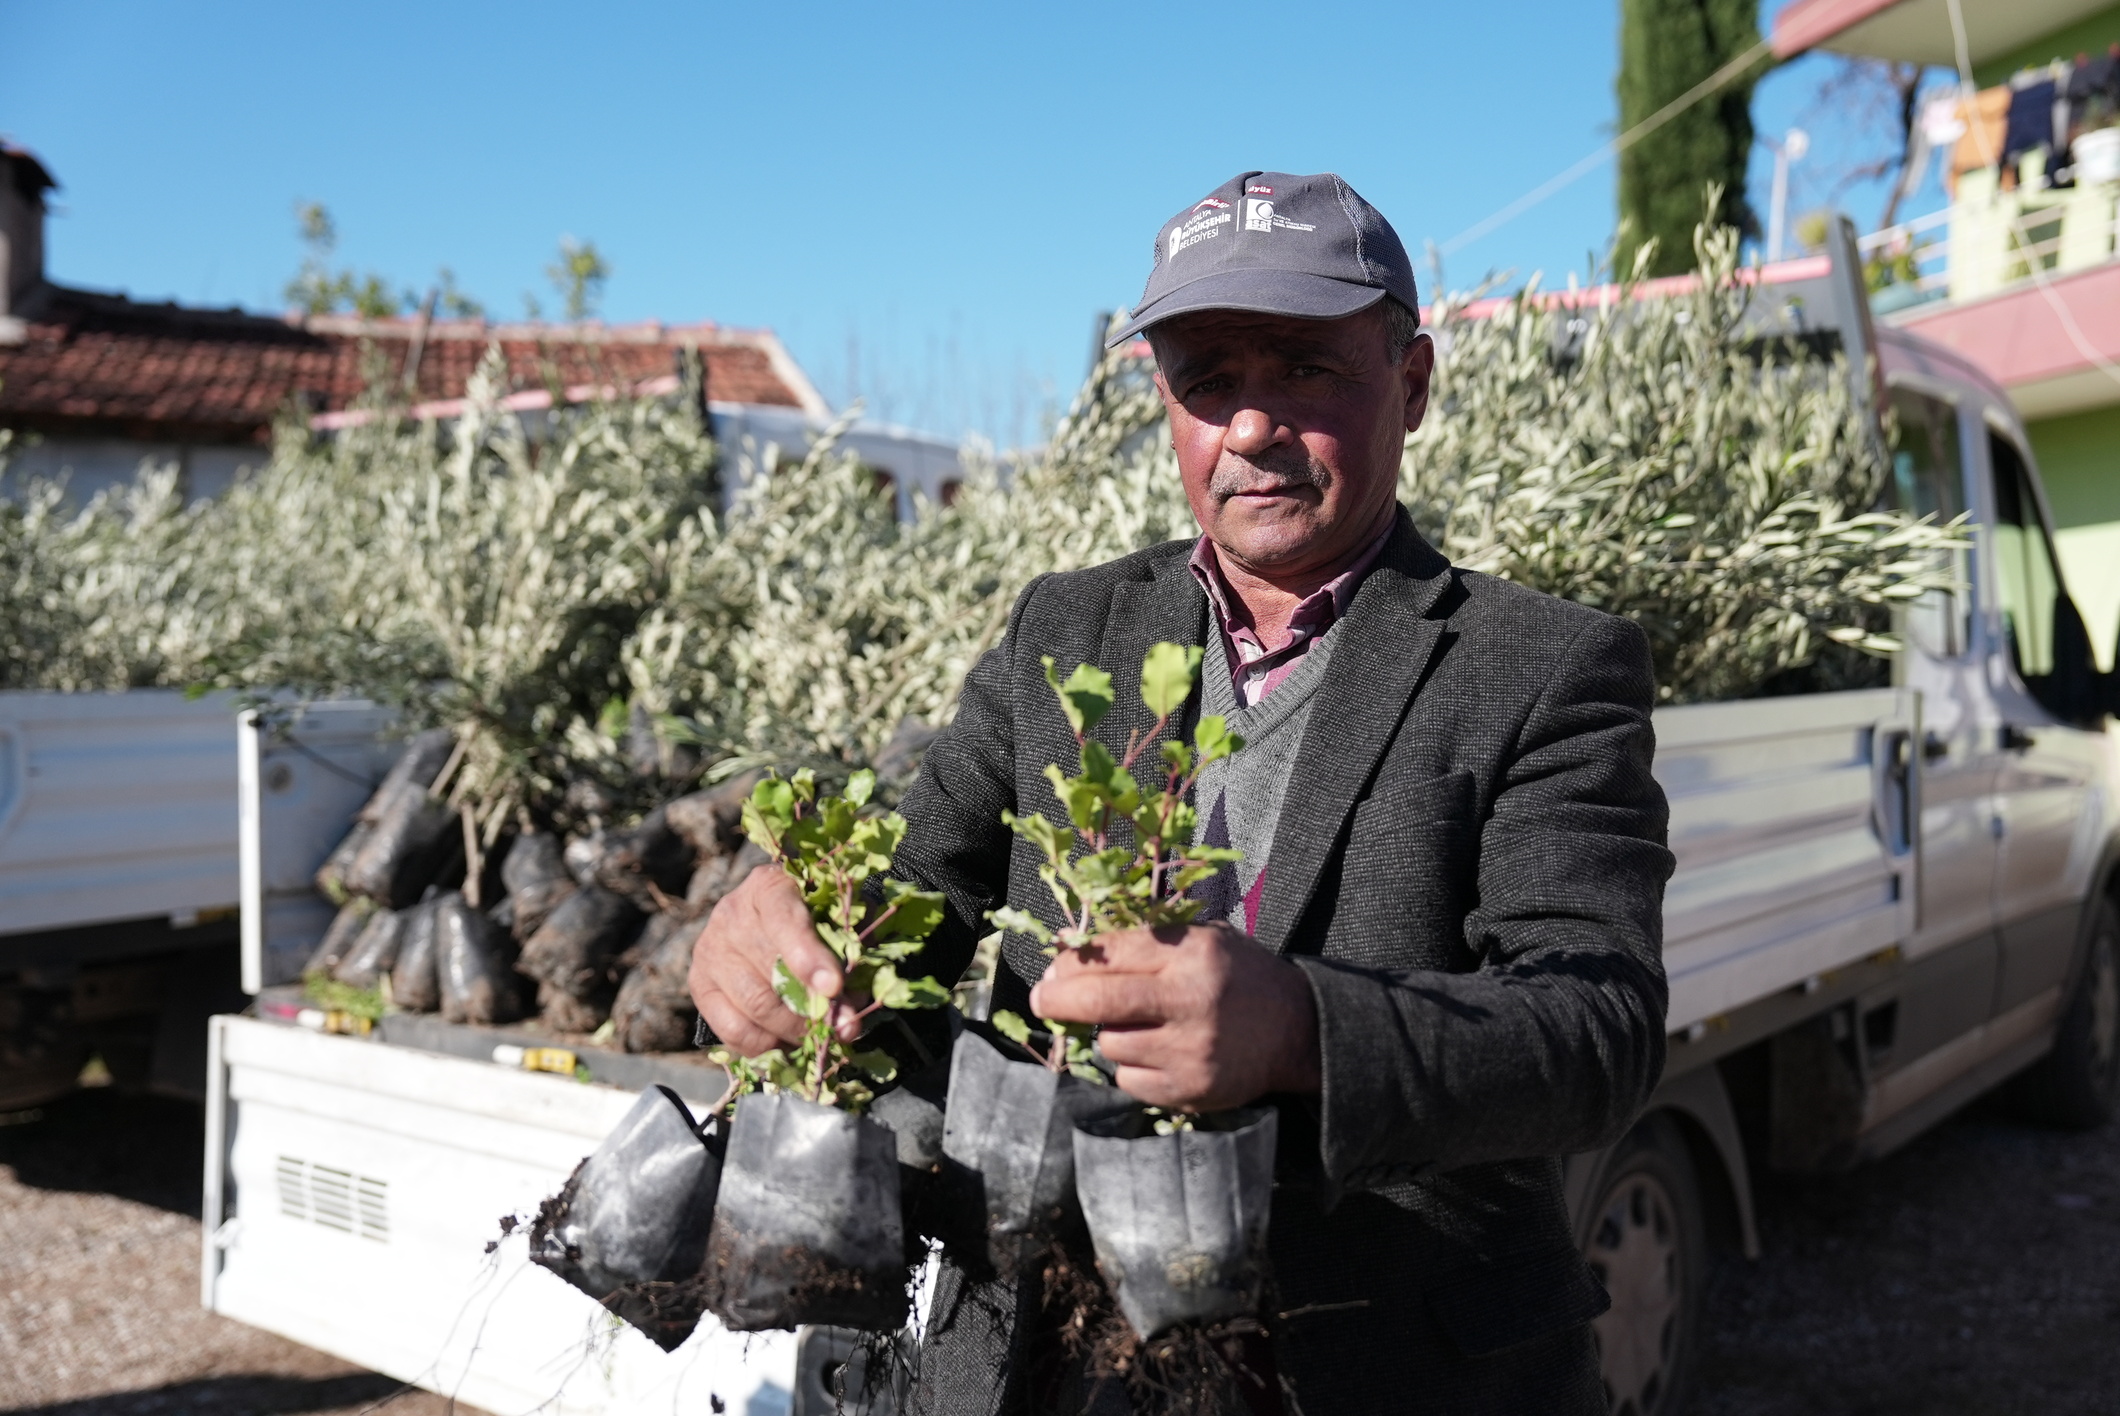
point(928, 202)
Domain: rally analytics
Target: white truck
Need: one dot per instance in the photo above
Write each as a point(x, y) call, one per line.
point(1887, 902)
point(119, 886)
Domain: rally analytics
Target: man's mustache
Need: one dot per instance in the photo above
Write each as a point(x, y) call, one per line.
point(1234, 476)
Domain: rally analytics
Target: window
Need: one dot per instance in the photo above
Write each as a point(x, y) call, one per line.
point(1928, 479)
point(2046, 637)
point(951, 488)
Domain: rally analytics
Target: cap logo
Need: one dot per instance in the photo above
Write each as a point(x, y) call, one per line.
point(1260, 216)
point(1216, 202)
point(1255, 190)
point(1198, 227)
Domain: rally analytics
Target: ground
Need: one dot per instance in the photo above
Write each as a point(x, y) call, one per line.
point(99, 1286)
point(1976, 1273)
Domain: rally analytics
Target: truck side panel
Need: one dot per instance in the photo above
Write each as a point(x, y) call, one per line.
point(115, 806)
point(1790, 819)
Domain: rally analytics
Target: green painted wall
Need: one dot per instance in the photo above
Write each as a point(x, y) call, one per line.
point(2079, 463)
point(2089, 35)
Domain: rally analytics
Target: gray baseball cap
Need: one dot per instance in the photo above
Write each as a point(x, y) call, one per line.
point(1277, 244)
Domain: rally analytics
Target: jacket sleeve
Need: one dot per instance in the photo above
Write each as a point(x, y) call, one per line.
point(1553, 1043)
point(955, 841)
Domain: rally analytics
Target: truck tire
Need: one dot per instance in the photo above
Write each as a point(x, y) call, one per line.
point(2077, 1084)
point(1645, 1236)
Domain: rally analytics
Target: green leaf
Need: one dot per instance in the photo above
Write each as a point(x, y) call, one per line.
point(1088, 1072)
point(1214, 739)
point(800, 1000)
point(923, 993)
point(877, 1063)
point(1050, 839)
point(860, 787)
point(1167, 677)
point(772, 804)
point(1083, 800)
point(1085, 697)
point(804, 785)
point(1177, 757)
point(1012, 1027)
point(1020, 922)
point(916, 915)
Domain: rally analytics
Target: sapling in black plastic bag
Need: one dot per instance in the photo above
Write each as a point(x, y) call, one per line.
point(1176, 1205)
point(1011, 1120)
point(630, 1227)
point(808, 1228)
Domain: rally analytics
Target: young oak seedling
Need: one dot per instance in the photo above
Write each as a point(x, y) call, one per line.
point(1127, 856)
point(832, 850)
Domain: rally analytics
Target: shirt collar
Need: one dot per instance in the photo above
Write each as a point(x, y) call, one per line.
point(1313, 615)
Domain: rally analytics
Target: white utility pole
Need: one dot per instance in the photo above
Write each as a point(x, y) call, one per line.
point(1793, 145)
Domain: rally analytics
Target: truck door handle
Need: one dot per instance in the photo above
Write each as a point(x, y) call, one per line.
point(2014, 738)
point(1933, 747)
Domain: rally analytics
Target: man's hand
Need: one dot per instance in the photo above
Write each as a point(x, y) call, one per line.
point(762, 920)
point(1202, 1019)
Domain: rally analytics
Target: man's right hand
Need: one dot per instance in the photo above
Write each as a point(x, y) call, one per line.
point(761, 921)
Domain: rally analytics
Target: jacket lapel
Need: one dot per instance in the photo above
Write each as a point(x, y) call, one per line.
point(1380, 653)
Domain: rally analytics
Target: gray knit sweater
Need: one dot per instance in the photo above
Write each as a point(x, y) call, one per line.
point(1240, 797)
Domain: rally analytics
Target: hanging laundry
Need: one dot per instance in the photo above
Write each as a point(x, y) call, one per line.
point(1982, 121)
point(2030, 126)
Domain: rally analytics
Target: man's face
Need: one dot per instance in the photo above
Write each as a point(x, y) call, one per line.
point(1289, 431)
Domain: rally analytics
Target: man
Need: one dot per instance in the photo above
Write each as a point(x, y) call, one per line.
point(1440, 956)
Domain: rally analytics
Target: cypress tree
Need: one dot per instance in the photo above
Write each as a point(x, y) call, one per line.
point(1665, 48)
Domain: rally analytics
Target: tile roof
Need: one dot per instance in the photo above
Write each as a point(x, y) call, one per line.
point(93, 363)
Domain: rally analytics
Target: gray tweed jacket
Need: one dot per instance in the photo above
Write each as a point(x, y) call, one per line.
point(1469, 866)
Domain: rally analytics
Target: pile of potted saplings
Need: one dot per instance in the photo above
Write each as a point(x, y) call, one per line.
point(809, 1194)
point(592, 932)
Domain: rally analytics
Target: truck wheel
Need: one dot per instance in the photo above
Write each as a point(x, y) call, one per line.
point(1647, 1242)
point(2076, 1084)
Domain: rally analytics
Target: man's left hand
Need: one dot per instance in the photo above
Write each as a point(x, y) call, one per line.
point(1201, 1019)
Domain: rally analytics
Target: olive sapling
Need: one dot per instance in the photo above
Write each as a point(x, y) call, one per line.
point(1127, 856)
point(832, 849)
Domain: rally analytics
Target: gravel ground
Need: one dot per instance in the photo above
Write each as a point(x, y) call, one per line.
point(1976, 1272)
point(99, 1283)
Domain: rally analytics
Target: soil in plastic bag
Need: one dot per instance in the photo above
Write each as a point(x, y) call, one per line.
point(1009, 1148)
point(419, 764)
point(630, 1227)
point(331, 875)
point(415, 980)
point(536, 879)
point(807, 1228)
point(714, 880)
point(415, 841)
point(712, 820)
point(654, 1012)
point(576, 948)
point(1179, 1221)
point(473, 965)
point(374, 951)
point(563, 1012)
point(338, 940)
point(649, 864)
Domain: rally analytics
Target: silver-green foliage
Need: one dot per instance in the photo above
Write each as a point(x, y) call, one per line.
point(523, 582)
point(1721, 495)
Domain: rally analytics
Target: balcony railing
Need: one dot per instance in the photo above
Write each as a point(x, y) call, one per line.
point(1989, 240)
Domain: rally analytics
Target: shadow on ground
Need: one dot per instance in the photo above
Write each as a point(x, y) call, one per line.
point(230, 1396)
point(104, 1141)
point(1974, 1273)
